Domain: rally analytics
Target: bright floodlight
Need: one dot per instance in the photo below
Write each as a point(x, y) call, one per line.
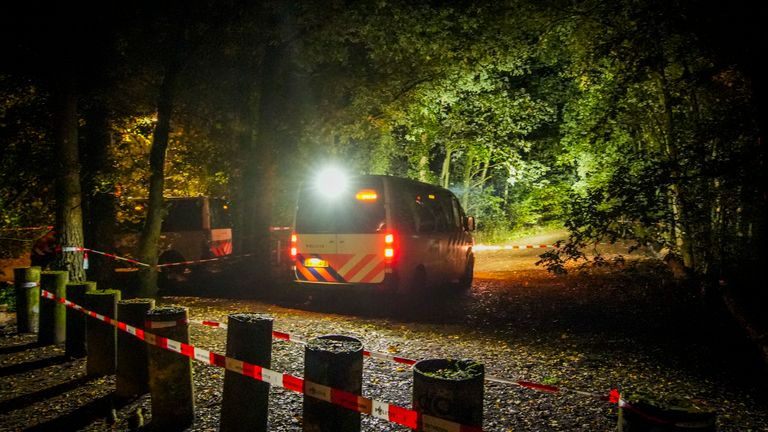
point(331, 182)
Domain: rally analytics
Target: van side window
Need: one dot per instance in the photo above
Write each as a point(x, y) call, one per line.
point(447, 209)
point(404, 212)
point(425, 217)
point(441, 220)
point(458, 217)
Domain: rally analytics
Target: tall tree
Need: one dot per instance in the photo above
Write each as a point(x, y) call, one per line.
point(69, 215)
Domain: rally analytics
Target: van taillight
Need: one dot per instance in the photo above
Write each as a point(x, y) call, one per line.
point(389, 248)
point(294, 243)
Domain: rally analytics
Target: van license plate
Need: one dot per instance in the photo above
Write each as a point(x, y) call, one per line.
point(315, 262)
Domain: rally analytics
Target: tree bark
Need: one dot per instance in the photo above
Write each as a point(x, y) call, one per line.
point(445, 173)
point(467, 179)
point(681, 229)
point(257, 187)
point(99, 200)
point(150, 234)
point(69, 217)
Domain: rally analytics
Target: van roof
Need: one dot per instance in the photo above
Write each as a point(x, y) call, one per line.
point(402, 180)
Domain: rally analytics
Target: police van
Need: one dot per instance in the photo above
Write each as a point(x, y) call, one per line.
point(381, 233)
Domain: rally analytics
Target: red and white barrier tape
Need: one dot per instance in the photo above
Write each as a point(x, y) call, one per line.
point(611, 397)
point(48, 227)
point(106, 254)
point(483, 247)
point(382, 410)
point(164, 324)
point(25, 229)
point(133, 261)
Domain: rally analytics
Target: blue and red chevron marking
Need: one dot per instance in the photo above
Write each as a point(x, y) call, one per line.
point(320, 274)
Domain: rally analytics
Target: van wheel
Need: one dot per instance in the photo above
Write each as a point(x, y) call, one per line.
point(465, 281)
point(418, 285)
point(406, 302)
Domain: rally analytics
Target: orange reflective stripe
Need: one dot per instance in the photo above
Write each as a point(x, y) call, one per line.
point(325, 275)
point(354, 270)
point(374, 273)
point(306, 273)
point(338, 260)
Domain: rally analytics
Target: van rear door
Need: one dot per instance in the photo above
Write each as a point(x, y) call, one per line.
point(341, 238)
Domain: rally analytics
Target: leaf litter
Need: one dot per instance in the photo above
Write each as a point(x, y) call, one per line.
point(588, 331)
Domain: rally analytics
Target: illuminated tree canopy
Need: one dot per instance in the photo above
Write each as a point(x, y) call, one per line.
point(631, 120)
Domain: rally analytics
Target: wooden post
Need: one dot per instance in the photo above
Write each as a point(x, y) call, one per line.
point(74, 346)
point(170, 374)
point(132, 376)
point(450, 390)
point(335, 361)
point(53, 315)
point(101, 337)
point(246, 400)
point(643, 413)
point(27, 281)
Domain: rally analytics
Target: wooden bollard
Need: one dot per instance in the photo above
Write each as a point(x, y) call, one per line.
point(335, 361)
point(450, 390)
point(170, 373)
point(101, 337)
point(53, 315)
point(74, 346)
point(132, 376)
point(645, 413)
point(27, 282)
point(246, 400)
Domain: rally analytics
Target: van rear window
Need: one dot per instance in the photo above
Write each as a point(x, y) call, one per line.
point(352, 212)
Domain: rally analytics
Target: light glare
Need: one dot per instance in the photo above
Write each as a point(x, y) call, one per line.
point(331, 182)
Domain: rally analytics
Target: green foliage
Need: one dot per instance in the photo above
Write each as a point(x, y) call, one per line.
point(8, 295)
point(653, 128)
point(27, 167)
point(619, 120)
point(457, 370)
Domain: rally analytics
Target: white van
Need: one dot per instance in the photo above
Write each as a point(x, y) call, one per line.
point(194, 228)
point(383, 233)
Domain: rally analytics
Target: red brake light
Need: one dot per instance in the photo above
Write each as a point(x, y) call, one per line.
point(294, 242)
point(389, 248)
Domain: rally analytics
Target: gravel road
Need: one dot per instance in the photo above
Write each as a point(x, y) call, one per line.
point(623, 326)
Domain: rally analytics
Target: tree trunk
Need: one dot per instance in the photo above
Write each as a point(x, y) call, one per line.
point(484, 172)
point(69, 218)
point(679, 211)
point(257, 190)
point(445, 173)
point(99, 200)
point(467, 180)
point(423, 167)
point(150, 234)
